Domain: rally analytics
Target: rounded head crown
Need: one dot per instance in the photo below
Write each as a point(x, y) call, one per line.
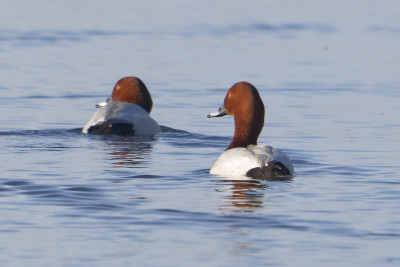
point(132, 90)
point(243, 98)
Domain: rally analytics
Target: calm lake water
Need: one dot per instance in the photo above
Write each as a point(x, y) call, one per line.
point(327, 72)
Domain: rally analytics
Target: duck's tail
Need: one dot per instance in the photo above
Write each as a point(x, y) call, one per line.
point(275, 170)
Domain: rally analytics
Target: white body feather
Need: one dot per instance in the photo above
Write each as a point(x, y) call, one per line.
point(120, 112)
point(238, 161)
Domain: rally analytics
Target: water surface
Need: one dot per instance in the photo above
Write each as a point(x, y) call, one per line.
point(327, 74)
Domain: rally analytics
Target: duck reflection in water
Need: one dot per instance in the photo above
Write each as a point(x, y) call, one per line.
point(245, 195)
point(130, 152)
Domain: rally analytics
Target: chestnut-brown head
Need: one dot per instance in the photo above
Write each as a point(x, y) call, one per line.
point(244, 103)
point(132, 90)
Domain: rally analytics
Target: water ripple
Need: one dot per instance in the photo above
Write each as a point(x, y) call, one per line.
point(56, 36)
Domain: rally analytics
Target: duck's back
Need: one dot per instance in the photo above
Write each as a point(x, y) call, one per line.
point(121, 118)
point(259, 161)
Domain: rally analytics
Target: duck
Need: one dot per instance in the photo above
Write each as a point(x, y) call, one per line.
point(243, 156)
point(125, 112)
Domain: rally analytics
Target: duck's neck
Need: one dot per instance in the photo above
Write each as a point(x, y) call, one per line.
point(246, 132)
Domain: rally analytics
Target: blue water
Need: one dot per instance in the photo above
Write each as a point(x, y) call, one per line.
point(327, 72)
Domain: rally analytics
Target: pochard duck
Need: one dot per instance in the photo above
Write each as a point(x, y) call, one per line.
point(126, 112)
point(244, 157)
